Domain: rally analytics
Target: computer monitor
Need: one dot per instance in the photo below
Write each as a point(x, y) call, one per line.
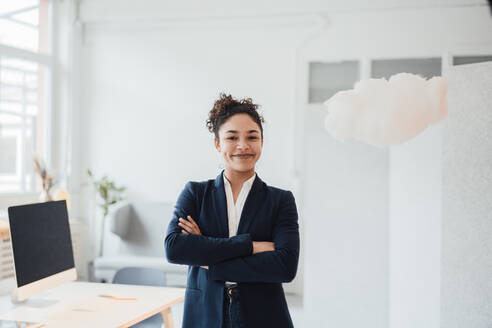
point(42, 247)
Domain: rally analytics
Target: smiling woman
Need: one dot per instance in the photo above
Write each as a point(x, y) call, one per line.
point(238, 136)
point(239, 236)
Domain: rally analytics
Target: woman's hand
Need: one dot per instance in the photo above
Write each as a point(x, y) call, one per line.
point(189, 226)
point(263, 246)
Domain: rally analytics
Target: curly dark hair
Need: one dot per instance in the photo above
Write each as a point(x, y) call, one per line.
point(226, 106)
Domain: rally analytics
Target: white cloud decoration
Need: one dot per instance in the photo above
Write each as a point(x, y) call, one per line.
point(383, 112)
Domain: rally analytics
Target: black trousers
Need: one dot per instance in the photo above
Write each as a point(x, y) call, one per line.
point(232, 315)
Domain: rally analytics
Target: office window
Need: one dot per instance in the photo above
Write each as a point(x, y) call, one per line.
point(24, 89)
point(23, 24)
point(326, 79)
point(22, 117)
point(463, 60)
point(425, 67)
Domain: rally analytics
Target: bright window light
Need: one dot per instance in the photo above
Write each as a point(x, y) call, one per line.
point(25, 84)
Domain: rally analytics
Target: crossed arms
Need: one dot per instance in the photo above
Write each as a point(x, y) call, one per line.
point(236, 258)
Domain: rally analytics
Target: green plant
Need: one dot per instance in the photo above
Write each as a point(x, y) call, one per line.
point(110, 195)
point(107, 190)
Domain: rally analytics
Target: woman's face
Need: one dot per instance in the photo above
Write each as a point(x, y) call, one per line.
point(240, 143)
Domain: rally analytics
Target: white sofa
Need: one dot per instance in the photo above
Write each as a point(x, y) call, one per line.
point(134, 236)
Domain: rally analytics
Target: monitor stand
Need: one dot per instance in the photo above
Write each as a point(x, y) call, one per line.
point(44, 284)
point(37, 302)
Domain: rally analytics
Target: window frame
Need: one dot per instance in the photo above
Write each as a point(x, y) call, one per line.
point(365, 66)
point(47, 60)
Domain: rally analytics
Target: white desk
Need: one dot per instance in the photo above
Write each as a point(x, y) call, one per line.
point(78, 304)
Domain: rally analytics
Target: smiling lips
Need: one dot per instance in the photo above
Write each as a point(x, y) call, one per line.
point(243, 156)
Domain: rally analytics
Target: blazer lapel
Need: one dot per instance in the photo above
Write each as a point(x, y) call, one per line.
point(220, 206)
point(252, 205)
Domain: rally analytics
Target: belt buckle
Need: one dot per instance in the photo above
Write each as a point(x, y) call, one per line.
point(229, 287)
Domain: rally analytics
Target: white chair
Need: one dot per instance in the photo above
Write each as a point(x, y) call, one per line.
point(134, 237)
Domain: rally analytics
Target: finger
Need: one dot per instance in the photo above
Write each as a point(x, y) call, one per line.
point(195, 229)
point(191, 220)
point(190, 230)
point(185, 227)
point(185, 223)
point(182, 231)
point(194, 223)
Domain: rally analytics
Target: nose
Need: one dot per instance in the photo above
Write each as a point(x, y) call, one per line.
point(242, 144)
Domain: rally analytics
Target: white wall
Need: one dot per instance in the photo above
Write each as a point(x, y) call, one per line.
point(149, 94)
point(466, 263)
point(346, 260)
point(415, 231)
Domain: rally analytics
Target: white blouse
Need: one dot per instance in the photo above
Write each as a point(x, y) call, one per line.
point(234, 210)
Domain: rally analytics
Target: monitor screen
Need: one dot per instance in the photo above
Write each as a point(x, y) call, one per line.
point(41, 242)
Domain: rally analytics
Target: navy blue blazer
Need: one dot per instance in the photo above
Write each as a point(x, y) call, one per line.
point(269, 214)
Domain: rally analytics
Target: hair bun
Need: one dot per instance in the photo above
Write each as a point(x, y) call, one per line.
point(226, 106)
